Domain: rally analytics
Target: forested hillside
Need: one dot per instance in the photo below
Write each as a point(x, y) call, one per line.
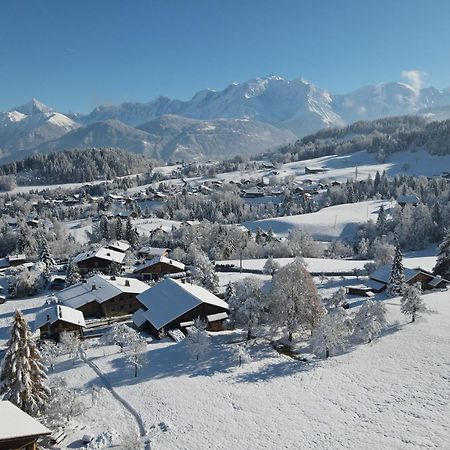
point(383, 136)
point(76, 166)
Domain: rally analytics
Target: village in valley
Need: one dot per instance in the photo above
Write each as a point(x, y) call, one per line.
point(159, 308)
point(224, 225)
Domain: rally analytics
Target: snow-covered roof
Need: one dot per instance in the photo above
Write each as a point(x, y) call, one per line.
point(438, 279)
point(120, 246)
point(170, 299)
point(102, 253)
point(383, 273)
point(17, 424)
point(153, 251)
point(408, 199)
point(216, 317)
point(99, 288)
point(59, 312)
point(160, 259)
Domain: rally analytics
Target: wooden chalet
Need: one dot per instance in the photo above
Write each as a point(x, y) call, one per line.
point(100, 259)
point(150, 252)
point(119, 246)
point(158, 267)
point(172, 304)
point(18, 430)
point(104, 296)
point(57, 319)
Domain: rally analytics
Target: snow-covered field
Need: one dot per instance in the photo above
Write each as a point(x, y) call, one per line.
point(334, 222)
point(393, 393)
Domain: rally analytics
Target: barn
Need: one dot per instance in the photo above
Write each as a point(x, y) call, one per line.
point(171, 303)
point(103, 296)
point(59, 318)
point(157, 267)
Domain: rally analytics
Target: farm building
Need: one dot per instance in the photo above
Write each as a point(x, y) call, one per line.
point(379, 279)
point(172, 304)
point(18, 430)
point(404, 200)
point(151, 252)
point(58, 318)
point(157, 267)
point(119, 246)
point(103, 296)
point(100, 259)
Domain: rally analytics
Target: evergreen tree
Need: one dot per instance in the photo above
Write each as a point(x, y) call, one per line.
point(46, 258)
point(129, 231)
point(442, 266)
point(23, 373)
point(270, 266)
point(411, 302)
point(12, 288)
point(229, 291)
point(104, 229)
point(119, 229)
point(396, 281)
point(381, 221)
point(73, 273)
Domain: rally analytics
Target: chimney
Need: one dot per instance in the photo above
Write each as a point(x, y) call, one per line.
point(94, 287)
point(48, 317)
point(127, 283)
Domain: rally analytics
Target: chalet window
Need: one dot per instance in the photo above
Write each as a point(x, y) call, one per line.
point(121, 306)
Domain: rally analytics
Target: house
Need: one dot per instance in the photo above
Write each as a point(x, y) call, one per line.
point(56, 319)
point(252, 193)
point(100, 259)
point(103, 296)
point(404, 200)
point(379, 279)
point(157, 267)
point(119, 246)
point(360, 289)
point(314, 170)
point(171, 303)
point(18, 430)
point(16, 260)
point(150, 252)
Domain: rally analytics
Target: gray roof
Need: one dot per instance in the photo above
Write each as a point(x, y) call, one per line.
point(170, 299)
point(383, 273)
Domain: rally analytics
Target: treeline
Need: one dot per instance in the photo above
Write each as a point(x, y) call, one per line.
point(383, 137)
point(76, 166)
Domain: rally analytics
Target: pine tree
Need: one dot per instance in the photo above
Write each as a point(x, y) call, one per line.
point(119, 229)
point(411, 302)
point(129, 230)
point(12, 288)
point(381, 221)
point(229, 291)
point(442, 266)
point(396, 281)
point(104, 229)
point(47, 259)
point(23, 375)
point(73, 273)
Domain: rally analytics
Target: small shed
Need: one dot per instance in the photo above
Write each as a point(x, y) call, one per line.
point(216, 321)
point(57, 319)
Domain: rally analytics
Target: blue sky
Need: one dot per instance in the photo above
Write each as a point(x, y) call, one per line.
point(74, 55)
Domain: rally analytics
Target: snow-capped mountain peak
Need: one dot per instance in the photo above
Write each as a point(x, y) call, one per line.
point(34, 107)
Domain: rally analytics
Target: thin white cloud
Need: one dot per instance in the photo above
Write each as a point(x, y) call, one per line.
point(415, 78)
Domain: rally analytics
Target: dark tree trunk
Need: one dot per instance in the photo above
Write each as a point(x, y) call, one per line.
point(249, 334)
point(290, 336)
point(135, 370)
point(327, 353)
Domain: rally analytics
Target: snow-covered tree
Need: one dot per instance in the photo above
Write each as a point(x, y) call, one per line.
point(63, 403)
point(29, 282)
point(120, 334)
point(12, 288)
point(270, 266)
point(295, 301)
point(202, 271)
point(412, 302)
point(396, 281)
point(369, 321)
point(119, 229)
point(242, 354)
point(229, 291)
point(50, 352)
point(197, 339)
point(73, 273)
point(46, 258)
point(104, 228)
point(23, 378)
point(69, 344)
point(135, 355)
point(381, 221)
point(442, 266)
point(330, 334)
point(383, 251)
point(337, 300)
point(115, 269)
point(128, 230)
point(247, 305)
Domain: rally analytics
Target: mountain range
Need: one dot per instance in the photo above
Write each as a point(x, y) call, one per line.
point(243, 119)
